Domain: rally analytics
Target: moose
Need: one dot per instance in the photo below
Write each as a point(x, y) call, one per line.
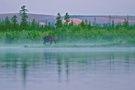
point(50, 39)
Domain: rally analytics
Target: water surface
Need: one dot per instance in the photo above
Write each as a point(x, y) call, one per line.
point(95, 68)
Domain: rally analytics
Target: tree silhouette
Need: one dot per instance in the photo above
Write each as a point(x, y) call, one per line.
point(67, 19)
point(58, 21)
point(125, 23)
point(24, 17)
point(14, 22)
point(7, 23)
point(33, 24)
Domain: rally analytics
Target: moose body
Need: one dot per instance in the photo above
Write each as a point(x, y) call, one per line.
point(50, 39)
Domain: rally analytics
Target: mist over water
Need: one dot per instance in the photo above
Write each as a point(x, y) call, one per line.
point(80, 68)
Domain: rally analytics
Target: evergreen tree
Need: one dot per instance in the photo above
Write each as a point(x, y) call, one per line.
point(2, 25)
point(125, 23)
point(89, 25)
point(14, 22)
point(7, 24)
point(37, 25)
point(110, 20)
point(112, 23)
point(94, 23)
point(72, 23)
point(118, 26)
point(33, 24)
point(67, 19)
point(82, 24)
point(24, 17)
point(86, 21)
point(49, 26)
point(58, 21)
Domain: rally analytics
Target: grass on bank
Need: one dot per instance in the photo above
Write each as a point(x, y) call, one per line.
point(70, 38)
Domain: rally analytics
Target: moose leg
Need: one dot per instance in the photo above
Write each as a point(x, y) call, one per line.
point(50, 42)
point(44, 42)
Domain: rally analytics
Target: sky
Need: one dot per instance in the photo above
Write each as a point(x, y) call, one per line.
point(73, 7)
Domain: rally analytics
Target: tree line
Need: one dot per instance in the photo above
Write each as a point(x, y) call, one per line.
point(13, 31)
point(12, 24)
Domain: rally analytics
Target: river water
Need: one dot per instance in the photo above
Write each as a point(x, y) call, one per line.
point(94, 68)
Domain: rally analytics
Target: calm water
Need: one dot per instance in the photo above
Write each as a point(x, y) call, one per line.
point(67, 68)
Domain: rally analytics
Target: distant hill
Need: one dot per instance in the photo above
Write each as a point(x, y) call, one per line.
point(100, 19)
point(30, 16)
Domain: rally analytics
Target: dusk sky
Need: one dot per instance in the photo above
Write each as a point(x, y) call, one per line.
point(73, 7)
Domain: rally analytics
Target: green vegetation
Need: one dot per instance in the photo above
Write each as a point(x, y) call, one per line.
point(13, 32)
point(59, 21)
point(67, 19)
point(24, 18)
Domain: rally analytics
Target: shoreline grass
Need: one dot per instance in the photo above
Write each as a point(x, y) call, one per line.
point(48, 45)
point(65, 38)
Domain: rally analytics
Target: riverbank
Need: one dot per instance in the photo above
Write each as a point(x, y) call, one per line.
point(68, 44)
